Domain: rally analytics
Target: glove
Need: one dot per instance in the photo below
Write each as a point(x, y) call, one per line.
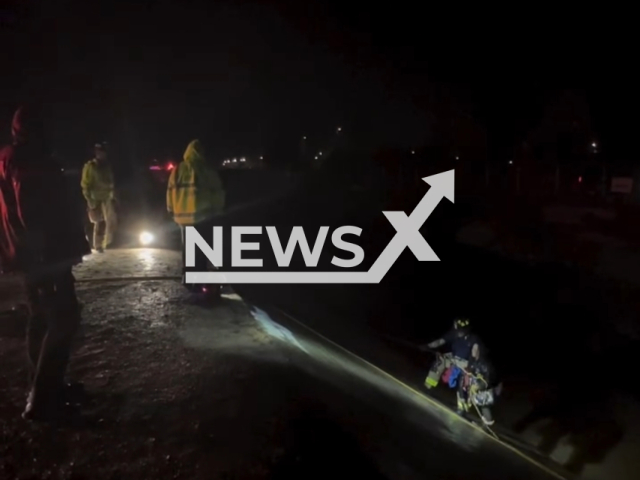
point(433, 345)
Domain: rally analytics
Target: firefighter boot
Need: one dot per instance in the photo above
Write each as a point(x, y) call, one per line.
point(436, 371)
point(487, 416)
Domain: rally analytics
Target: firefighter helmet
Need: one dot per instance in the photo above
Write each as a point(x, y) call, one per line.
point(461, 323)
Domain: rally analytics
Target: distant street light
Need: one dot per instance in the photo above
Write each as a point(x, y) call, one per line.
point(457, 158)
point(510, 162)
point(413, 152)
point(304, 138)
point(319, 153)
point(339, 129)
point(261, 158)
point(594, 144)
point(316, 157)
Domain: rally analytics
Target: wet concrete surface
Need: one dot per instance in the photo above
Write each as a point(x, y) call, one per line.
point(182, 390)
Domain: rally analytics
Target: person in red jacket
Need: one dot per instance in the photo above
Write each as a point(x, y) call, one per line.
point(41, 239)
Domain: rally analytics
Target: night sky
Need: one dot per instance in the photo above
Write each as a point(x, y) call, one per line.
point(245, 76)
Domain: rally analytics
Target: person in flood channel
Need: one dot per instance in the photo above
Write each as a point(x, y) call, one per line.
point(460, 339)
point(40, 241)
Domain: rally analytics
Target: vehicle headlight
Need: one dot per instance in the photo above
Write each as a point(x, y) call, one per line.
point(146, 238)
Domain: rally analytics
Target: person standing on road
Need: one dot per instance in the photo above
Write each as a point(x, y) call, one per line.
point(460, 339)
point(98, 190)
point(195, 195)
point(40, 241)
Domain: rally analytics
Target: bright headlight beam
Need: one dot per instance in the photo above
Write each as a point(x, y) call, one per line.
point(146, 238)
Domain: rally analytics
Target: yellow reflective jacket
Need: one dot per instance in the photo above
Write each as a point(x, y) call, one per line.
point(97, 182)
point(195, 192)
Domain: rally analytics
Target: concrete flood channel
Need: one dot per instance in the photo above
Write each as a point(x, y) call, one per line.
point(548, 352)
point(551, 330)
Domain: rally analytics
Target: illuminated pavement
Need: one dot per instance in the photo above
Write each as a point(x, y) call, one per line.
point(408, 435)
point(129, 262)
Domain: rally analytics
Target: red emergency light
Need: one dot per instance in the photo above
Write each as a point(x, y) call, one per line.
point(170, 166)
point(579, 179)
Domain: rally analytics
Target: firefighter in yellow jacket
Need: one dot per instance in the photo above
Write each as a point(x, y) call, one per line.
point(195, 195)
point(98, 190)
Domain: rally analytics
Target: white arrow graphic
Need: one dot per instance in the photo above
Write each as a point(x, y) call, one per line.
point(407, 235)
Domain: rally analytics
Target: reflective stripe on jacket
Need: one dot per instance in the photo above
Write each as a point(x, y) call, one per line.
point(195, 192)
point(97, 181)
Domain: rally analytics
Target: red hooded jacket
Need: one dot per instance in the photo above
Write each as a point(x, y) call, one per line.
point(38, 228)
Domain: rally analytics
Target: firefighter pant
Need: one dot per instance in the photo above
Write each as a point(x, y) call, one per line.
point(54, 317)
point(104, 220)
point(462, 397)
point(440, 365)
